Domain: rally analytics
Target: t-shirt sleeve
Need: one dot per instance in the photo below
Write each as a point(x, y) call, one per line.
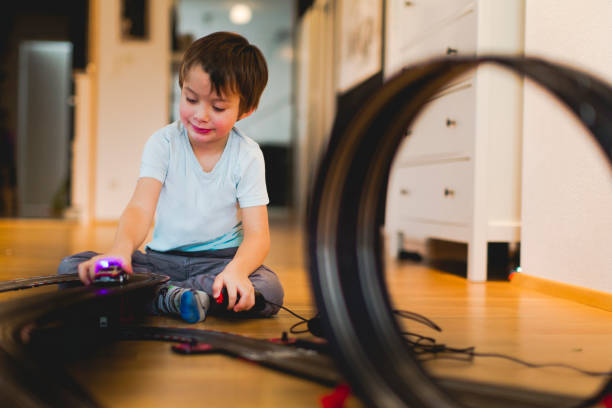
point(155, 157)
point(251, 189)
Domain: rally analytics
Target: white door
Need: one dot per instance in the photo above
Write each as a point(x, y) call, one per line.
point(43, 127)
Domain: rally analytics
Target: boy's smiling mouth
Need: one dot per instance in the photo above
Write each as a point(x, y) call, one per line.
point(200, 130)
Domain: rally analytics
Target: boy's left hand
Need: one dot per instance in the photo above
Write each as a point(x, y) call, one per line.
point(236, 284)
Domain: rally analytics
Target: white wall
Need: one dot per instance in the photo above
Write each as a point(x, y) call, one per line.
point(567, 185)
point(132, 103)
point(316, 93)
point(81, 149)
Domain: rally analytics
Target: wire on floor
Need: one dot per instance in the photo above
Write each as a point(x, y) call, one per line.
point(427, 349)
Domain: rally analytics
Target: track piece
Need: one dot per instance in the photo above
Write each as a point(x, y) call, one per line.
point(32, 379)
point(298, 361)
point(35, 282)
point(346, 211)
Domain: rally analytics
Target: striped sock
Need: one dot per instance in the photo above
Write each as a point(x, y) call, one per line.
point(192, 305)
point(169, 299)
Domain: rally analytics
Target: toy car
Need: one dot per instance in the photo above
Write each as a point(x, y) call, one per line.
point(109, 270)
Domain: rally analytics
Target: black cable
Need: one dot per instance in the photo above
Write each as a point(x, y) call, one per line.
point(293, 330)
point(417, 318)
point(419, 348)
point(302, 321)
point(533, 365)
point(437, 350)
point(288, 310)
point(419, 337)
point(427, 345)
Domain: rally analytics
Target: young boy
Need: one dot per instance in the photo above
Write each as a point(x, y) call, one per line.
point(205, 182)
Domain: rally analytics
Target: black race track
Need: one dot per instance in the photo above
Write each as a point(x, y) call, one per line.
point(346, 214)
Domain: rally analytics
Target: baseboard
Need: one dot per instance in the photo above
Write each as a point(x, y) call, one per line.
point(590, 297)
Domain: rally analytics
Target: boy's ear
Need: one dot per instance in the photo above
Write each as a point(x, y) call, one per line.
point(245, 114)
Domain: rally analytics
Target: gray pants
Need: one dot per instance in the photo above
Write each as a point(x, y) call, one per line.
point(195, 271)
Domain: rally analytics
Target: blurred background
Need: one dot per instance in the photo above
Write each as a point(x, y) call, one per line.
point(85, 83)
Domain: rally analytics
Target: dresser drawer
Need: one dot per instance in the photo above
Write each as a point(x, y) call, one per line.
point(456, 38)
point(444, 129)
point(440, 192)
point(416, 19)
point(409, 23)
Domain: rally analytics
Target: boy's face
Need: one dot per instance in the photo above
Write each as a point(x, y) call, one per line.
point(207, 116)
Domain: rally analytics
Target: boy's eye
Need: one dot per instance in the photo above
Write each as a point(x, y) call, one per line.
point(218, 109)
point(191, 100)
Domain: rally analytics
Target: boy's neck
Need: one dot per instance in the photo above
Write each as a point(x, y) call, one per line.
point(209, 148)
point(209, 154)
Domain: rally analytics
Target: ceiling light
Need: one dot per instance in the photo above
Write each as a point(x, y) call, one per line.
point(240, 14)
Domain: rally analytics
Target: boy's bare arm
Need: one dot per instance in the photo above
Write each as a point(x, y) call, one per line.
point(137, 217)
point(133, 227)
point(250, 255)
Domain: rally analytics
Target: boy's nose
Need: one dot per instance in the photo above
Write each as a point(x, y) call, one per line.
point(202, 114)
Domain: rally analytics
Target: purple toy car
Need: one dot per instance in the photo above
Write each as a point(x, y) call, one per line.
point(110, 270)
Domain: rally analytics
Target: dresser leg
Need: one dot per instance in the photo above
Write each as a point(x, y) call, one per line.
point(477, 261)
point(393, 244)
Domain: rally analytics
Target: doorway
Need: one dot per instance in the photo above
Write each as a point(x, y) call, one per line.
point(43, 127)
point(41, 44)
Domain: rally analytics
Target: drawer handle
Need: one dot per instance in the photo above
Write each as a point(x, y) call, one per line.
point(450, 123)
point(451, 51)
point(408, 3)
point(404, 192)
point(449, 193)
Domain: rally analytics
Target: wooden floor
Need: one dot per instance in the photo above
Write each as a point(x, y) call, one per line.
point(493, 317)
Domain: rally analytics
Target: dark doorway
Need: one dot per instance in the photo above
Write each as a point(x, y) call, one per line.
point(23, 24)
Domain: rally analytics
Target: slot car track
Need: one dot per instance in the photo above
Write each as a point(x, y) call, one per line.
point(304, 362)
point(29, 378)
point(38, 333)
point(345, 217)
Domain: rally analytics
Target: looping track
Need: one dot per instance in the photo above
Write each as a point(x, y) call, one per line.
point(346, 213)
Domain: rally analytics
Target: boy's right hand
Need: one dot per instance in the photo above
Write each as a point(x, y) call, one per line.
point(87, 269)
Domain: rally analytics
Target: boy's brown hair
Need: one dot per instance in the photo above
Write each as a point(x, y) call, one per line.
point(233, 65)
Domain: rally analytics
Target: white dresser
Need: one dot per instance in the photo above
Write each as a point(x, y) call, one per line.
point(457, 176)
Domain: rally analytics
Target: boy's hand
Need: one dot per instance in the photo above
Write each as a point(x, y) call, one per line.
point(236, 284)
point(87, 269)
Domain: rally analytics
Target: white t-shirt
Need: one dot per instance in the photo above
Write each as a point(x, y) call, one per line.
point(197, 210)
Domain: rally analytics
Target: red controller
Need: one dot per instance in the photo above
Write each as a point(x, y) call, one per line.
point(260, 302)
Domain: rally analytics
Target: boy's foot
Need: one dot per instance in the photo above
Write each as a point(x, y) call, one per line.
point(190, 304)
point(194, 305)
